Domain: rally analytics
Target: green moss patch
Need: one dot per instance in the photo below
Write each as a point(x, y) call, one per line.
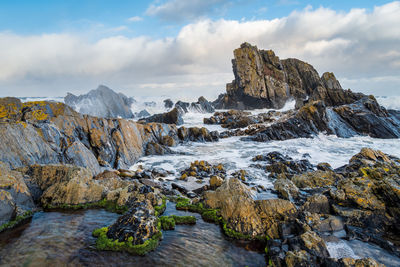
point(169, 222)
point(16, 221)
point(105, 243)
point(160, 209)
point(111, 206)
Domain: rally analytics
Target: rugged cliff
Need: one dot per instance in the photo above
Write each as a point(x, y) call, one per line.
point(262, 80)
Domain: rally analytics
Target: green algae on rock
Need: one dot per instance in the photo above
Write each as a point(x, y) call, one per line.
point(105, 243)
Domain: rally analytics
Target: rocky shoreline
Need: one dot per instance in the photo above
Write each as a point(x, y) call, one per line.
point(52, 157)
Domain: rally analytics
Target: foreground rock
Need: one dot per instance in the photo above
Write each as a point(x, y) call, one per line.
point(359, 200)
point(262, 80)
point(245, 215)
point(16, 201)
point(101, 102)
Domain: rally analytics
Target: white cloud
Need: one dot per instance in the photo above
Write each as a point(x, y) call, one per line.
point(135, 19)
point(361, 47)
point(181, 10)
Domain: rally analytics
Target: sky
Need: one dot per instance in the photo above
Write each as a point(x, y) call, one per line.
point(184, 48)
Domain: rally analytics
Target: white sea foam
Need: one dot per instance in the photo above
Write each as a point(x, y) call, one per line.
point(340, 250)
point(30, 99)
point(389, 102)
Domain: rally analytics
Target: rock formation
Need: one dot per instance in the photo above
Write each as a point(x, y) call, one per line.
point(52, 133)
point(262, 80)
point(172, 117)
point(362, 117)
point(202, 106)
point(101, 102)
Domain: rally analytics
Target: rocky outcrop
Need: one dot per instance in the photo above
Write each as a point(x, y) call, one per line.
point(168, 103)
point(53, 133)
point(363, 117)
point(172, 117)
point(262, 80)
point(202, 106)
point(101, 102)
point(234, 119)
point(196, 134)
point(281, 166)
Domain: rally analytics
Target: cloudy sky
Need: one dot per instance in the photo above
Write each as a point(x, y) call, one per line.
point(184, 48)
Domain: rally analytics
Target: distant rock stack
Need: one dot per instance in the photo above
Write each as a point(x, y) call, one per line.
point(101, 102)
point(262, 80)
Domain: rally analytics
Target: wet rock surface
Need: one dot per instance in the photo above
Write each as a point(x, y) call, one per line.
point(362, 117)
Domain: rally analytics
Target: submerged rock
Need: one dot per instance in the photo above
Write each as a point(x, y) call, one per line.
point(102, 102)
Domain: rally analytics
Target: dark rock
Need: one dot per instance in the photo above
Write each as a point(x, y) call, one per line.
point(102, 102)
point(363, 117)
point(153, 148)
point(172, 117)
point(139, 222)
point(233, 119)
point(142, 114)
point(196, 134)
point(168, 103)
point(317, 204)
point(285, 166)
point(202, 106)
point(180, 188)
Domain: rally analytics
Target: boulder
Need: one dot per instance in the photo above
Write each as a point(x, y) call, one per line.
point(245, 215)
point(286, 189)
point(216, 181)
point(15, 197)
point(317, 204)
point(139, 224)
point(196, 134)
point(316, 179)
point(172, 117)
point(237, 207)
point(168, 103)
point(314, 244)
